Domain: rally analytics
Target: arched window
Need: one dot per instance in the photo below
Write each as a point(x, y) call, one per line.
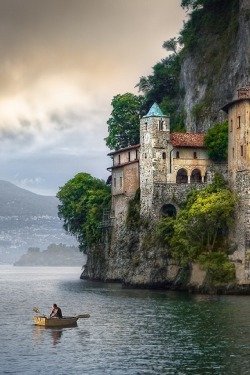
point(164, 155)
point(168, 210)
point(177, 155)
point(182, 177)
point(195, 176)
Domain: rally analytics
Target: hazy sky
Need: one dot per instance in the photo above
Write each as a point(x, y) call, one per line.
point(61, 63)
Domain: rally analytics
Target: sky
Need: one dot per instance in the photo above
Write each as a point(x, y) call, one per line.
point(61, 63)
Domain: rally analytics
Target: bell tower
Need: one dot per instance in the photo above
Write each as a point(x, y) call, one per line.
point(154, 155)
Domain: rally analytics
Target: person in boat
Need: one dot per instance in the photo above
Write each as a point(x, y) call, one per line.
point(56, 312)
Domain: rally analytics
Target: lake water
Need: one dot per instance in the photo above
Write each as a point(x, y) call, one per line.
point(129, 332)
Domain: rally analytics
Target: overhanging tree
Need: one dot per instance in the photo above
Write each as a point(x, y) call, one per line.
point(82, 200)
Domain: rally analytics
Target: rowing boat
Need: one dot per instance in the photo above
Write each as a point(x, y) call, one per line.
point(66, 321)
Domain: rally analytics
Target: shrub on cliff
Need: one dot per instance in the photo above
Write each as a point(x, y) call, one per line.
point(200, 230)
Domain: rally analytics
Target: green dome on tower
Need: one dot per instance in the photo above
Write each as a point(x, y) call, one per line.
point(154, 111)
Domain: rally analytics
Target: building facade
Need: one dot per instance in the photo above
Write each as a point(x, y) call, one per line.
point(164, 165)
point(239, 177)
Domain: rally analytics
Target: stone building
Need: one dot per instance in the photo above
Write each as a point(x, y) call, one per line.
point(238, 112)
point(165, 166)
point(125, 179)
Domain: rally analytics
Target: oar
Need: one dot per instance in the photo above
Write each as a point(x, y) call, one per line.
point(37, 311)
point(83, 316)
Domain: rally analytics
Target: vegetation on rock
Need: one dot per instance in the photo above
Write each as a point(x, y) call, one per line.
point(83, 199)
point(133, 217)
point(199, 233)
point(216, 141)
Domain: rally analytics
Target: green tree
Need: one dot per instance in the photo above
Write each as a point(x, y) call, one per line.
point(192, 4)
point(83, 199)
point(171, 45)
point(162, 86)
point(216, 141)
point(200, 231)
point(124, 123)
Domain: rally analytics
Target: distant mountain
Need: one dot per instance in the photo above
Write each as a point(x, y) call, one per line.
point(15, 201)
point(28, 220)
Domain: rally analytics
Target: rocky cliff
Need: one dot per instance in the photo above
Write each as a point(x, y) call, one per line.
point(216, 64)
point(213, 67)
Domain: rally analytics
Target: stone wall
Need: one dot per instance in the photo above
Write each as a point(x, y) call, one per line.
point(240, 235)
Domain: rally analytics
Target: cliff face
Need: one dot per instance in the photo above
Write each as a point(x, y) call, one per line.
point(216, 65)
point(135, 260)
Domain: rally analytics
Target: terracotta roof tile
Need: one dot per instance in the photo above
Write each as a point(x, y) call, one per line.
point(187, 139)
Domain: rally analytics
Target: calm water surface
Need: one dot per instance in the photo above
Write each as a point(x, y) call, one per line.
point(129, 332)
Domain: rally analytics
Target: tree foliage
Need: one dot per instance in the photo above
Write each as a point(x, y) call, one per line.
point(216, 141)
point(162, 85)
point(201, 227)
point(124, 123)
point(82, 201)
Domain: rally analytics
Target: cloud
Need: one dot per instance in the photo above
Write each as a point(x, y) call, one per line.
point(61, 63)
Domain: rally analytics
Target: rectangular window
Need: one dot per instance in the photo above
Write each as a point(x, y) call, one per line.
point(238, 118)
point(129, 156)
point(119, 159)
point(233, 152)
point(164, 155)
point(160, 125)
point(177, 155)
point(114, 182)
point(120, 182)
point(136, 154)
point(231, 125)
point(195, 155)
point(241, 150)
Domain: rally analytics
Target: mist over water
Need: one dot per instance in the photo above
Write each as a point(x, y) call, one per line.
point(129, 331)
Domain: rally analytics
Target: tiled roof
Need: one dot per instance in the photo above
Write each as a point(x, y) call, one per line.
point(187, 139)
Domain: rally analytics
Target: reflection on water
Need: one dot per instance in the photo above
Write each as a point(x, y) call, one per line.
point(129, 332)
point(40, 331)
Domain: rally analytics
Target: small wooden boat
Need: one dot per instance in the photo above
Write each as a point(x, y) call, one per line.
point(66, 321)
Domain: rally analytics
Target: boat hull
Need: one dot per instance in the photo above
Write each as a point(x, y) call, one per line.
point(68, 321)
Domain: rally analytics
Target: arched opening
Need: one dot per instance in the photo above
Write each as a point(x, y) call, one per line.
point(168, 210)
point(182, 177)
point(195, 176)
